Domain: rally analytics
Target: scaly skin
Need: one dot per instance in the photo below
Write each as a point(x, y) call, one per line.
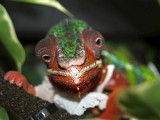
point(76, 64)
point(68, 63)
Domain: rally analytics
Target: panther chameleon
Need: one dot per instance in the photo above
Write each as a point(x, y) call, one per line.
point(82, 74)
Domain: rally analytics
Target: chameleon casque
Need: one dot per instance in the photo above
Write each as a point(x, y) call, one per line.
point(80, 72)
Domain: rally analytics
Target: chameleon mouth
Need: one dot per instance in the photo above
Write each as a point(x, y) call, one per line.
point(74, 71)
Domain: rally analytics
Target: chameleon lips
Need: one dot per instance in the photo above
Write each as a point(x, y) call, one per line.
point(74, 72)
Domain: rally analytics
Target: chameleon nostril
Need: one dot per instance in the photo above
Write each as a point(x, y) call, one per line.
point(65, 63)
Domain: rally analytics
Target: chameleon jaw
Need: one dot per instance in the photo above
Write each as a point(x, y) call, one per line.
point(74, 72)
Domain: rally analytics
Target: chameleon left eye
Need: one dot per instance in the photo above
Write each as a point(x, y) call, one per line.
point(94, 41)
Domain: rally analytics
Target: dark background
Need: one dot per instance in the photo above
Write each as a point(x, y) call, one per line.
point(135, 22)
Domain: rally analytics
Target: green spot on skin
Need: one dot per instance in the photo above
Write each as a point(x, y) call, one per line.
point(67, 33)
point(77, 27)
point(69, 47)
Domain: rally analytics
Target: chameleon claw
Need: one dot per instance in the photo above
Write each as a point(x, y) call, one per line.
point(19, 84)
point(11, 81)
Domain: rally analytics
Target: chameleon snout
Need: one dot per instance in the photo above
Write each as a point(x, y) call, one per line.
point(68, 63)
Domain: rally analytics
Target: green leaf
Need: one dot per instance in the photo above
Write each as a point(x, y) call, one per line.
point(141, 101)
point(3, 114)
point(33, 63)
point(51, 3)
point(9, 39)
point(148, 73)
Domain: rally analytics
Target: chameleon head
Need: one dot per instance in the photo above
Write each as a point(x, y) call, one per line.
point(71, 52)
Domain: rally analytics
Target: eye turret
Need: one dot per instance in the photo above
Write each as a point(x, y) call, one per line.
point(94, 41)
point(99, 41)
point(45, 50)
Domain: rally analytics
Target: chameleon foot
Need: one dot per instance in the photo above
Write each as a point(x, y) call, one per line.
point(17, 78)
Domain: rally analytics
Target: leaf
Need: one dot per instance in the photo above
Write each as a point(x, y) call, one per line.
point(33, 63)
point(148, 73)
point(9, 39)
point(3, 114)
point(51, 3)
point(141, 101)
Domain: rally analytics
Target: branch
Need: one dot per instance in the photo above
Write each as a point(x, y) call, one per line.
point(16, 99)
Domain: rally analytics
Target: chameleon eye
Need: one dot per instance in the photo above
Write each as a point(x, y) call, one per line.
point(45, 50)
point(46, 58)
point(98, 42)
point(94, 41)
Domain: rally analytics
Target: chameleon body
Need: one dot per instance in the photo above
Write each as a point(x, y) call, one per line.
point(78, 65)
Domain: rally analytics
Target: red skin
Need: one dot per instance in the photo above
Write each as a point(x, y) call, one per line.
point(86, 82)
point(120, 82)
point(20, 80)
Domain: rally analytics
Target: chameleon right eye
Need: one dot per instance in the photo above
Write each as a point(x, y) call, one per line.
point(46, 58)
point(45, 49)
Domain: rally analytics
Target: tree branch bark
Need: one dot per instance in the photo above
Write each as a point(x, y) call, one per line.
point(17, 100)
